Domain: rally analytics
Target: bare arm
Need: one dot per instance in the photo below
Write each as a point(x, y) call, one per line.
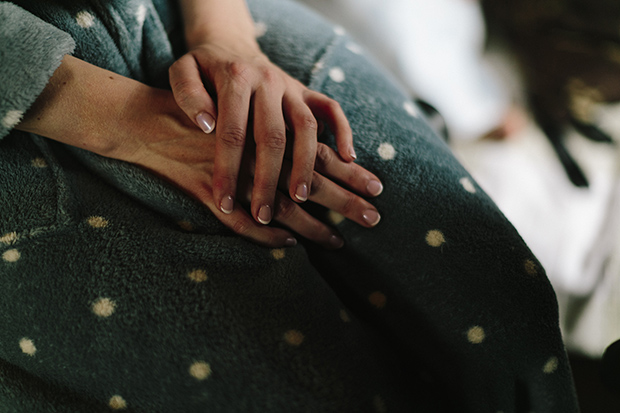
point(114, 116)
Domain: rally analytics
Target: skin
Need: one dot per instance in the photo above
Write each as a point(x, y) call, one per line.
point(265, 163)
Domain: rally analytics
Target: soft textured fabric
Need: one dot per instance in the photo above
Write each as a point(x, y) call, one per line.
point(119, 292)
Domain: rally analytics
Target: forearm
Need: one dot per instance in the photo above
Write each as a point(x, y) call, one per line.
point(84, 105)
point(217, 20)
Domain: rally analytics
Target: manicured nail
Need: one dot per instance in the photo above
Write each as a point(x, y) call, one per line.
point(227, 204)
point(371, 217)
point(336, 242)
point(290, 242)
point(374, 188)
point(352, 152)
point(302, 192)
point(206, 122)
point(264, 214)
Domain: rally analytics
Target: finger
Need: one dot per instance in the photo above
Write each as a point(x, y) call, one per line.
point(304, 128)
point(238, 220)
point(329, 194)
point(190, 94)
point(329, 110)
point(270, 138)
point(291, 215)
point(352, 175)
point(242, 224)
point(234, 104)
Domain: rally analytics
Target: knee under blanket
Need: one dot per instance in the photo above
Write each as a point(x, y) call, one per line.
point(118, 292)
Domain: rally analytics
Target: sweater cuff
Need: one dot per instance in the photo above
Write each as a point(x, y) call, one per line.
point(30, 51)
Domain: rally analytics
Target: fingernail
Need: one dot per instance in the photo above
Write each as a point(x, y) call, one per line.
point(264, 214)
point(336, 241)
point(290, 242)
point(206, 122)
point(374, 188)
point(371, 217)
point(302, 192)
point(227, 204)
point(352, 152)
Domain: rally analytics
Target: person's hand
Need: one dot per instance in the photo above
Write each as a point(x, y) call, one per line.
point(160, 138)
point(248, 96)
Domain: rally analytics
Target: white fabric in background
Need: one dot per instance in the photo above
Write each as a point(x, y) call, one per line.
point(435, 48)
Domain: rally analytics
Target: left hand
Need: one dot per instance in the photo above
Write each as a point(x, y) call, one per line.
point(253, 92)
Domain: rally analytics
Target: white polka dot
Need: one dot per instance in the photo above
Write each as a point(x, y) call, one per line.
point(12, 118)
point(186, 225)
point(141, 14)
point(435, 238)
point(411, 109)
point(104, 307)
point(11, 255)
point(84, 19)
point(198, 276)
point(200, 370)
point(344, 316)
point(38, 163)
point(116, 402)
point(339, 30)
point(335, 217)
point(336, 74)
point(386, 151)
point(278, 253)
point(318, 66)
point(355, 48)
point(27, 346)
point(260, 28)
point(551, 365)
point(9, 238)
point(377, 299)
point(468, 185)
point(97, 222)
point(294, 338)
point(530, 267)
point(476, 335)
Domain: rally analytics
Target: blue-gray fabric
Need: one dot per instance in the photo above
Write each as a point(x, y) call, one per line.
point(117, 291)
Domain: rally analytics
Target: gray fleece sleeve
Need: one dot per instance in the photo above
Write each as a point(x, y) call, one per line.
point(30, 51)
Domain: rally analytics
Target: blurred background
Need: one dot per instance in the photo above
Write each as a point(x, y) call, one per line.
point(527, 94)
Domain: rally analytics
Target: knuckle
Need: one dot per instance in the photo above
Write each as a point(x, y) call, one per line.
point(185, 91)
point(307, 122)
point(234, 136)
point(349, 204)
point(333, 105)
point(241, 227)
point(269, 75)
point(323, 155)
point(274, 140)
point(238, 71)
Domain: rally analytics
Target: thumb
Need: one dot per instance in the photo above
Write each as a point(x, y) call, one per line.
point(190, 93)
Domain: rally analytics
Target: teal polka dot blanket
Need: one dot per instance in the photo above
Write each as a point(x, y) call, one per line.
point(120, 292)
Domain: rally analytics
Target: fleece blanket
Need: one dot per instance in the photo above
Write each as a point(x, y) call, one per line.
point(119, 292)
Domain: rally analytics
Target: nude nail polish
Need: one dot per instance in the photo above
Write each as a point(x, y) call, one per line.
point(336, 242)
point(352, 152)
point(227, 204)
point(374, 187)
point(302, 192)
point(264, 214)
point(206, 122)
point(371, 217)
